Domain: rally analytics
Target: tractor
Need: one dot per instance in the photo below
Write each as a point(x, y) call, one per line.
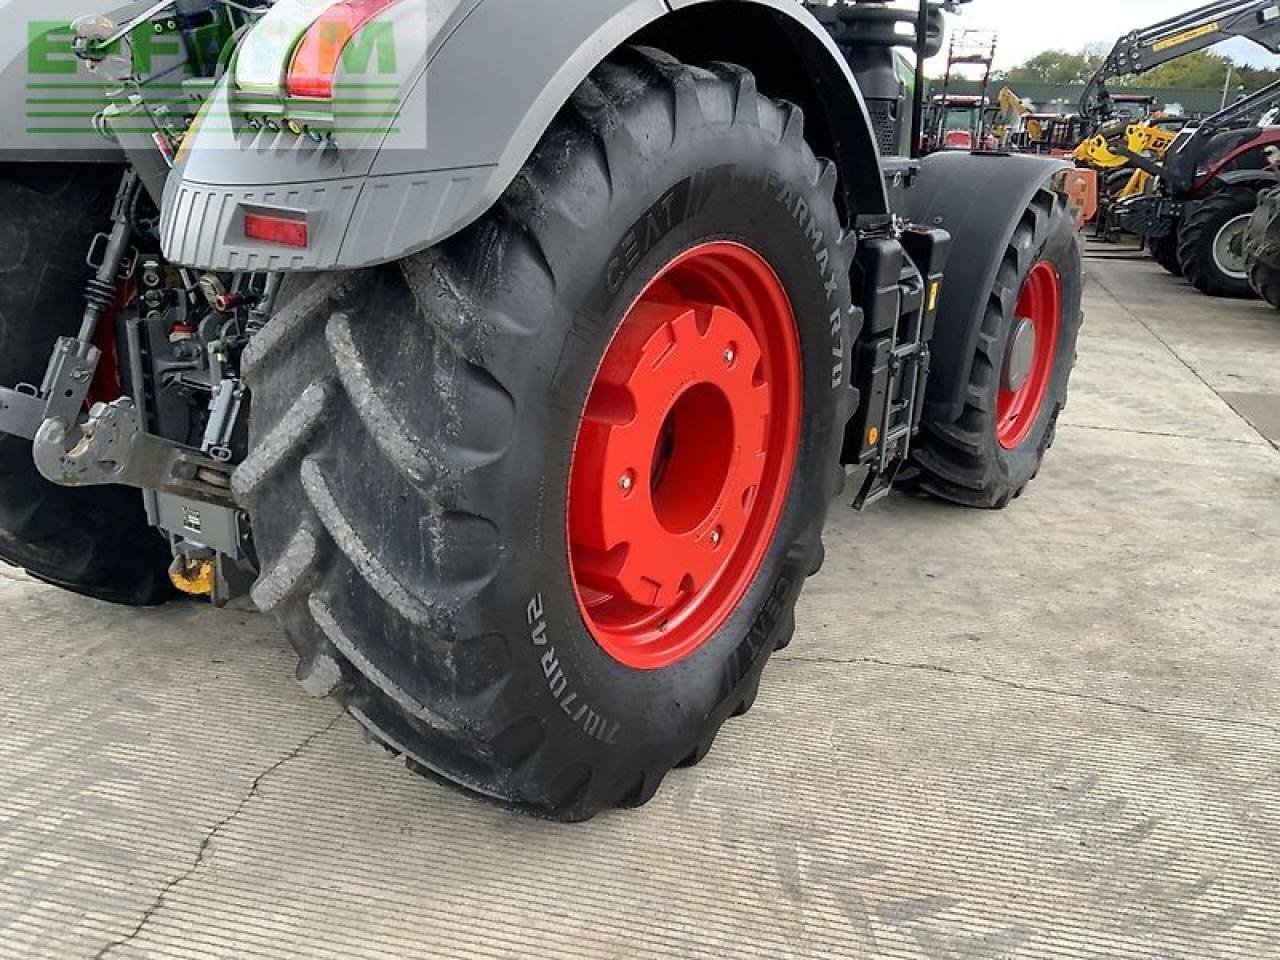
point(1206, 188)
point(509, 352)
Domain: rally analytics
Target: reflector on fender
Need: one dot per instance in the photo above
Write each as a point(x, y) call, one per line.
point(316, 57)
point(288, 231)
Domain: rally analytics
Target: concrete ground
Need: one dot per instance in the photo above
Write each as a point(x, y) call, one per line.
point(1049, 732)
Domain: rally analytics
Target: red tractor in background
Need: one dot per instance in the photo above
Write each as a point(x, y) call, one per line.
point(1197, 219)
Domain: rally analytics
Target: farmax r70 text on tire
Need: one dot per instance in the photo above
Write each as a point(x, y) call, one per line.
point(537, 503)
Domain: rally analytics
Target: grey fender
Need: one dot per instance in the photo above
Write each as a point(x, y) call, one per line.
point(47, 97)
point(978, 198)
point(489, 78)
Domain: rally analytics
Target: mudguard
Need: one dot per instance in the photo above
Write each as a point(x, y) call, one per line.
point(1248, 178)
point(978, 198)
point(478, 83)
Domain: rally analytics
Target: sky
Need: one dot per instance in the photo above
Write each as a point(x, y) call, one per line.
point(1027, 27)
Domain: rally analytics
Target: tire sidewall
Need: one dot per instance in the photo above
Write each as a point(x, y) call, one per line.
point(736, 185)
point(1059, 245)
point(1197, 257)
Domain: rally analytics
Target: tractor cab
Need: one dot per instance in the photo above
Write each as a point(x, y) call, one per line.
point(960, 122)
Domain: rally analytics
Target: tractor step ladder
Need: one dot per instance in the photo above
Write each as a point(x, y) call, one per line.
point(902, 281)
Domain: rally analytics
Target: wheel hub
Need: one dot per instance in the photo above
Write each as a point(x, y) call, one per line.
point(684, 455)
point(1228, 247)
point(687, 456)
point(1027, 369)
point(1021, 353)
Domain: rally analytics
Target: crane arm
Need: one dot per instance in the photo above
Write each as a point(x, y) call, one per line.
point(1142, 50)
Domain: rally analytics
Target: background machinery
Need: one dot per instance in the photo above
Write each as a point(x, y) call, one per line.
point(1141, 51)
point(1205, 191)
point(964, 121)
point(519, 404)
point(1128, 150)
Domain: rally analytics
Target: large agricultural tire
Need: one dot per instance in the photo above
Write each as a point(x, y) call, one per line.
point(95, 540)
point(1211, 243)
point(428, 437)
point(1164, 251)
point(1262, 247)
point(988, 456)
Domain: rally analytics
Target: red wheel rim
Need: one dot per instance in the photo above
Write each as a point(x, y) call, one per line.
point(1027, 369)
point(684, 455)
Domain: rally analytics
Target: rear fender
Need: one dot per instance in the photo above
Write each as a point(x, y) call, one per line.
point(1248, 178)
point(979, 199)
point(475, 125)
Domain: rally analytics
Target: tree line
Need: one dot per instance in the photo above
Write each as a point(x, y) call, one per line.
point(1203, 69)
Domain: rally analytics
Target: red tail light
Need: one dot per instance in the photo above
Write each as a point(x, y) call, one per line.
point(318, 52)
point(283, 230)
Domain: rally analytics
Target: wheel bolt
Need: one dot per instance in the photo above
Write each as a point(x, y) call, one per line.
point(715, 537)
point(729, 356)
point(625, 481)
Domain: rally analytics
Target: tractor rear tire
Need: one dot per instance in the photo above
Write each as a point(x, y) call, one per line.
point(1206, 248)
point(1262, 247)
point(424, 443)
point(94, 541)
point(1164, 251)
point(987, 457)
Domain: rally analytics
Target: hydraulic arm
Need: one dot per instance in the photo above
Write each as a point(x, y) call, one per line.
point(1143, 50)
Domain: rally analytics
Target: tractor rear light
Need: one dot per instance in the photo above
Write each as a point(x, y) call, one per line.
point(289, 231)
point(317, 55)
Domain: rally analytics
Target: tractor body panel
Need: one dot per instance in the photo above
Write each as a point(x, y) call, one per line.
point(461, 132)
point(48, 97)
point(1249, 155)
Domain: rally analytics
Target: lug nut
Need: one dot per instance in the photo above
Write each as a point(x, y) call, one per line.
point(729, 356)
point(624, 482)
point(715, 537)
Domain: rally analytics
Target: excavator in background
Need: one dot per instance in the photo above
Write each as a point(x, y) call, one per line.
point(1017, 125)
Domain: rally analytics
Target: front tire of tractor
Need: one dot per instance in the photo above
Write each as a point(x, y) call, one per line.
point(1211, 243)
point(1164, 251)
point(1262, 247)
point(94, 541)
point(536, 504)
point(1022, 364)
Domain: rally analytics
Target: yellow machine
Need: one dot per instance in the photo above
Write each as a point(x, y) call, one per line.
point(1147, 138)
point(1111, 151)
point(1014, 112)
